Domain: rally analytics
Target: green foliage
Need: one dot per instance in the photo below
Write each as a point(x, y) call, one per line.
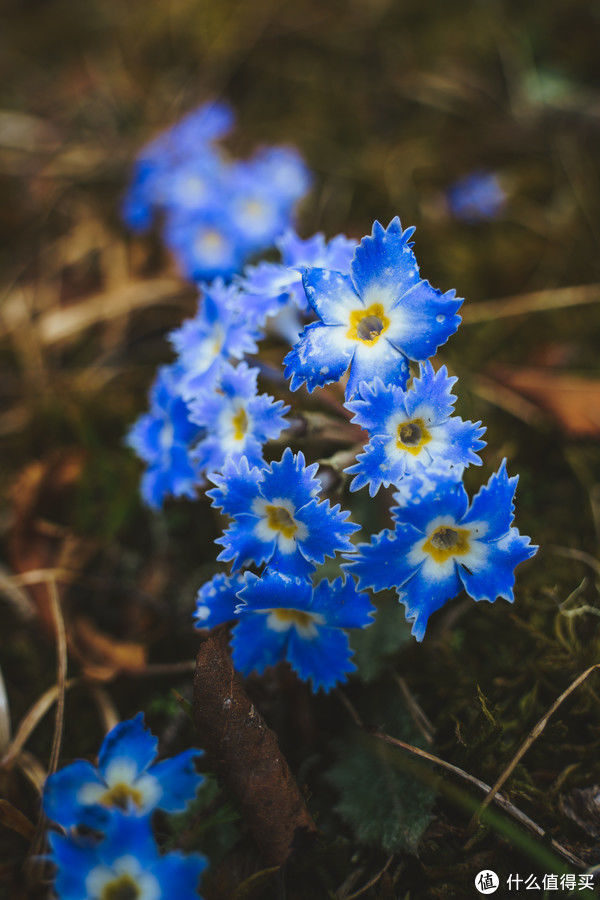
point(375, 645)
point(385, 798)
point(210, 824)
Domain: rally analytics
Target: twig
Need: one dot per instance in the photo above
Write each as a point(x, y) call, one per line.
point(417, 714)
point(529, 740)
point(499, 799)
point(61, 677)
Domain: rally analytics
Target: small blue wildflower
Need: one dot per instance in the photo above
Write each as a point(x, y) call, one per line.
point(285, 170)
point(124, 865)
point(412, 432)
point(238, 420)
point(162, 438)
point(476, 197)
point(440, 545)
point(257, 211)
point(270, 288)
point(374, 320)
point(209, 122)
point(283, 617)
point(218, 332)
point(277, 517)
point(126, 779)
point(205, 243)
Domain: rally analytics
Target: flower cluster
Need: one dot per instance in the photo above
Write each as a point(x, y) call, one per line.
point(217, 212)
point(355, 313)
point(108, 850)
point(279, 519)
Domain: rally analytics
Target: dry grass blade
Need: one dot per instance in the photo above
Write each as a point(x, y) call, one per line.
point(501, 801)
point(61, 678)
point(538, 301)
point(14, 819)
point(4, 717)
point(33, 770)
point(30, 721)
point(529, 740)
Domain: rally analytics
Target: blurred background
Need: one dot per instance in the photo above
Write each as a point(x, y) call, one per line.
point(390, 104)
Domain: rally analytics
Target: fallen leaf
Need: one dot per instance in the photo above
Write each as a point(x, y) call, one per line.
point(573, 402)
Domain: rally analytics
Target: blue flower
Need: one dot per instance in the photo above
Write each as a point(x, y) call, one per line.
point(218, 332)
point(285, 170)
point(277, 517)
point(271, 288)
point(126, 779)
point(162, 438)
point(205, 243)
point(238, 420)
point(441, 545)
point(283, 617)
point(373, 321)
point(258, 212)
point(124, 865)
point(412, 432)
point(476, 197)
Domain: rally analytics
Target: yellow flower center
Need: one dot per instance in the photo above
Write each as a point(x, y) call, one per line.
point(254, 209)
point(293, 617)
point(120, 794)
point(240, 424)
point(122, 888)
point(367, 325)
point(210, 241)
point(446, 542)
point(412, 436)
point(280, 519)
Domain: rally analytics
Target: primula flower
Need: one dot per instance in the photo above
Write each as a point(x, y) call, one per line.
point(441, 545)
point(238, 420)
point(285, 618)
point(257, 210)
point(270, 288)
point(205, 243)
point(277, 517)
point(126, 779)
point(124, 865)
point(218, 332)
point(373, 321)
point(162, 438)
point(285, 170)
point(412, 432)
point(476, 197)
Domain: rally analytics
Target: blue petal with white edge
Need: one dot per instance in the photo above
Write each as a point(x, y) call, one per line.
point(384, 266)
point(331, 295)
point(292, 479)
point(422, 596)
point(384, 361)
point(430, 395)
point(322, 355)
point(374, 405)
point(242, 546)
point(463, 443)
point(447, 499)
point(493, 505)
point(255, 647)
point(342, 604)
point(61, 803)
point(328, 530)
point(324, 660)
point(423, 320)
point(373, 468)
point(496, 576)
point(236, 487)
point(216, 600)
point(383, 563)
point(178, 779)
point(274, 590)
point(129, 740)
